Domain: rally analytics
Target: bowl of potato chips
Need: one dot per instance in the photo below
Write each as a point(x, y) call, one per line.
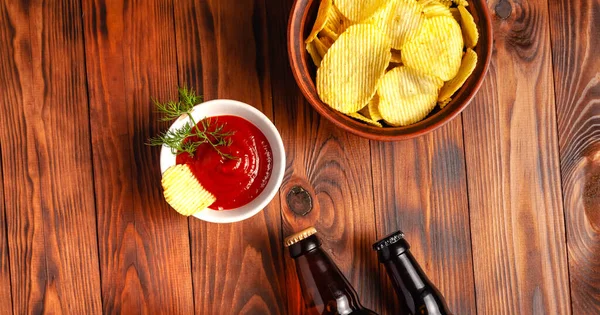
point(389, 69)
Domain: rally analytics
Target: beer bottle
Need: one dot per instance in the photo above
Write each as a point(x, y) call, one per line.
point(413, 288)
point(324, 287)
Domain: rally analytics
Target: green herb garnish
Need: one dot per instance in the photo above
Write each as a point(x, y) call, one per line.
point(176, 139)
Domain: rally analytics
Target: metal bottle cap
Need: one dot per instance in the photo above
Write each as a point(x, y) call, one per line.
point(388, 240)
point(297, 237)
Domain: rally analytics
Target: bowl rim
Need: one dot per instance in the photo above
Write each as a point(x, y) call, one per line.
point(298, 62)
point(265, 125)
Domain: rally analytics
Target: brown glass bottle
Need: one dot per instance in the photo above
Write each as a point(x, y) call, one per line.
point(324, 287)
point(415, 292)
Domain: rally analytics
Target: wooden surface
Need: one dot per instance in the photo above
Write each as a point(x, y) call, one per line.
point(501, 206)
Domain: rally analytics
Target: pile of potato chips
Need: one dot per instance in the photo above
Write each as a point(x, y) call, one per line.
point(391, 61)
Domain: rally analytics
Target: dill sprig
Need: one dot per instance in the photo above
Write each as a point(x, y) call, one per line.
point(176, 139)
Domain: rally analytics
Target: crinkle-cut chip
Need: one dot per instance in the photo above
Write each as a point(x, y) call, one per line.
point(321, 20)
point(447, 3)
point(320, 46)
point(327, 32)
point(371, 111)
point(469, 28)
point(406, 95)
point(434, 8)
point(396, 56)
point(352, 68)
point(444, 102)
point(314, 54)
point(399, 19)
point(362, 118)
point(456, 14)
point(358, 10)
point(437, 49)
point(464, 3)
point(183, 192)
point(469, 61)
point(336, 21)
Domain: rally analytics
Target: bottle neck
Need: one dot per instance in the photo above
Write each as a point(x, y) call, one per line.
point(323, 284)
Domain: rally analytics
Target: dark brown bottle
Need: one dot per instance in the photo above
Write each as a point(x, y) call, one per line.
point(324, 287)
point(415, 292)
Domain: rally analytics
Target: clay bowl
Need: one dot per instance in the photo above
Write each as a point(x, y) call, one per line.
point(301, 19)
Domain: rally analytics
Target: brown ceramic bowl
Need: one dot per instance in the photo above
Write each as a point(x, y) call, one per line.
point(302, 17)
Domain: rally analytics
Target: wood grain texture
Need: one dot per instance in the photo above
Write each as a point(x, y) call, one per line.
point(5, 285)
point(144, 244)
point(420, 188)
point(46, 160)
point(575, 35)
point(222, 52)
point(333, 166)
point(517, 221)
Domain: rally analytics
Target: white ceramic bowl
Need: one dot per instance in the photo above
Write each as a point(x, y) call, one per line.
point(235, 108)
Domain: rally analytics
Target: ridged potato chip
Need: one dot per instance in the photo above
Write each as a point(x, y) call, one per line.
point(464, 3)
point(371, 111)
point(314, 54)
point(434, 8)
point(183, 192)
point(400, 20)
point(321, 20)
point(358, 10)
point(406, 95)
point(469, 28)
point(328, 33)
point(336, 21)
point(321, 47)
point(350, 71)
point(364, 119)
point(437, 49)
point(469, 61)
point(445, 102)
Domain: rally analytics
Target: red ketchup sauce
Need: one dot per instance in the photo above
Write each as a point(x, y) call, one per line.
point(234, 182)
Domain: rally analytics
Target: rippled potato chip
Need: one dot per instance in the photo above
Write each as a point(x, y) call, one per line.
point(437, 49)
point(400, 20)
point(183, 192)
point(350, 71)
point(434, 8)
point(314, 54)
point(469, 61)
point(469, 28)
point(406, 95)
point(358, 10)
point(336, 21)
point(364, 119)
point(371, 111)
point(321, 47)
point(445, 102)
point(321, 20)
point(456, 15)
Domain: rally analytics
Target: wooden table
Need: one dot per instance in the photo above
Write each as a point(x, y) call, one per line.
point(501, 206)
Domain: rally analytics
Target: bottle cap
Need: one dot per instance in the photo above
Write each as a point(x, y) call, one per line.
point(297, 237)
point(388, 240)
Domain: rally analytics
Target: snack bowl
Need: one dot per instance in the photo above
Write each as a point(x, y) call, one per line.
point(301, 20)
point(221, 107)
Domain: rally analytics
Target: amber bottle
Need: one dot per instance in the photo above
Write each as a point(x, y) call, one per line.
point(414, 290)
point(324, 287)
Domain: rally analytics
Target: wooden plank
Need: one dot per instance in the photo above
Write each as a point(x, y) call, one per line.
point(333, 167)
point(420, 188)
point(222, 51)
point(517, 225)
point(575, 43)
point(5, 285)
point(144, 244)
point(46, 159)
